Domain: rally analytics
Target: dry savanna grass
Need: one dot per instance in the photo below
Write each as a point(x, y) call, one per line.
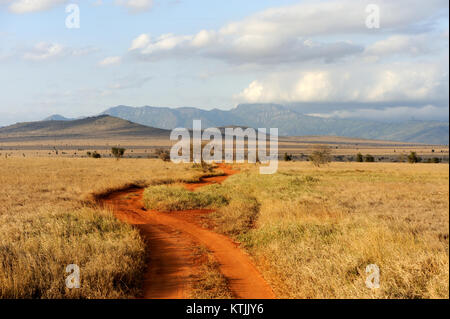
point(311, 231)
point(172, 198)
point(209, 282)
point(47, 222)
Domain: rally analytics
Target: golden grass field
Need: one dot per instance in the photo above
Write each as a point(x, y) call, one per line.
point(318, 228)
point(310, 231)
point(144, 147)
point(47, 222)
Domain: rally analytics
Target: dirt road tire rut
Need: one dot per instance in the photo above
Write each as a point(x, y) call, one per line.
point(170, 242)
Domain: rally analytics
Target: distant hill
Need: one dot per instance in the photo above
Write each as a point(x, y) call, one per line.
point(98, 127)
point(147, 121)
point(57, 117)
point(288, 121)
point(170, 118)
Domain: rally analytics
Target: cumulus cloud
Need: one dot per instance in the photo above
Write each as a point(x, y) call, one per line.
point(358, 83)
point(413, 45)
point(44, 51)
point(288, 34)
point(140, 42)
point(26, 6)
point(111, 60)
point(398, 113)
point(136, 5)
point(335, 17)
point(268, 49)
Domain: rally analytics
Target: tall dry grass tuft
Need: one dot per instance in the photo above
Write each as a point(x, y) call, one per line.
point(311, 231)
point(37, 247)
point(316, 229)
point(47, 222)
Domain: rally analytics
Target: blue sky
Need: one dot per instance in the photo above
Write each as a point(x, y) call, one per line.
point(216, 54)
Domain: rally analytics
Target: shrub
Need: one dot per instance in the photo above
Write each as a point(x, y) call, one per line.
point(413, 158)
point(163, 154)
point(117, 152)
point(93, 154)
point(321, 155)
point(173, 198)
point(287, 157)
point(434, 160)
point(359, 157)
point(369, 158)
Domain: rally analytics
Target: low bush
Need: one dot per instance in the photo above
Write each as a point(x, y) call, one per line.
point(287, 157)
point(359, 157)
point(413, 158)
point(434, 160)
point(93, 154)
point(321, 155)
point(118, 152)
point(163, 154)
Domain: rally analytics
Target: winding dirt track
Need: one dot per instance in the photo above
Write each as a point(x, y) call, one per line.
point(171, 238)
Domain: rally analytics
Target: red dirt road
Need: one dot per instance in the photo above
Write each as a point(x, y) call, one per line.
point(171, 239)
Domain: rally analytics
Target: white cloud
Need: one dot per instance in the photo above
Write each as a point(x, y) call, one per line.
point(48, 50)
point(413, 45)
point(140, 42)
point(334, 17)
point(111, 60)
point(358, 83)
point(289, 34)
point(44, 51)
point(26, 6)
point(136, 5)
point(268, 49)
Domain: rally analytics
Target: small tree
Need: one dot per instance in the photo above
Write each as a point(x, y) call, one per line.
point(369, 158)
point(413, 158)
point(117, 152)
point(163, 154)
point(321, 155)
point(287, 157)
point(93, 154)
point(359, 157)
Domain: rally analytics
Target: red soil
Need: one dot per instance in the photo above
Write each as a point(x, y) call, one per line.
point(227, 171)
point(171, 238)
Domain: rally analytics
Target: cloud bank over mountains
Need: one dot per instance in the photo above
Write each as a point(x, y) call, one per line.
point(315, 52)
point(302, 53)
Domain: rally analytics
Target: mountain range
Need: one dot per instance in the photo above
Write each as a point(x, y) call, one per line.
point(156, 121)
point(97, 127)
point(288, 121)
